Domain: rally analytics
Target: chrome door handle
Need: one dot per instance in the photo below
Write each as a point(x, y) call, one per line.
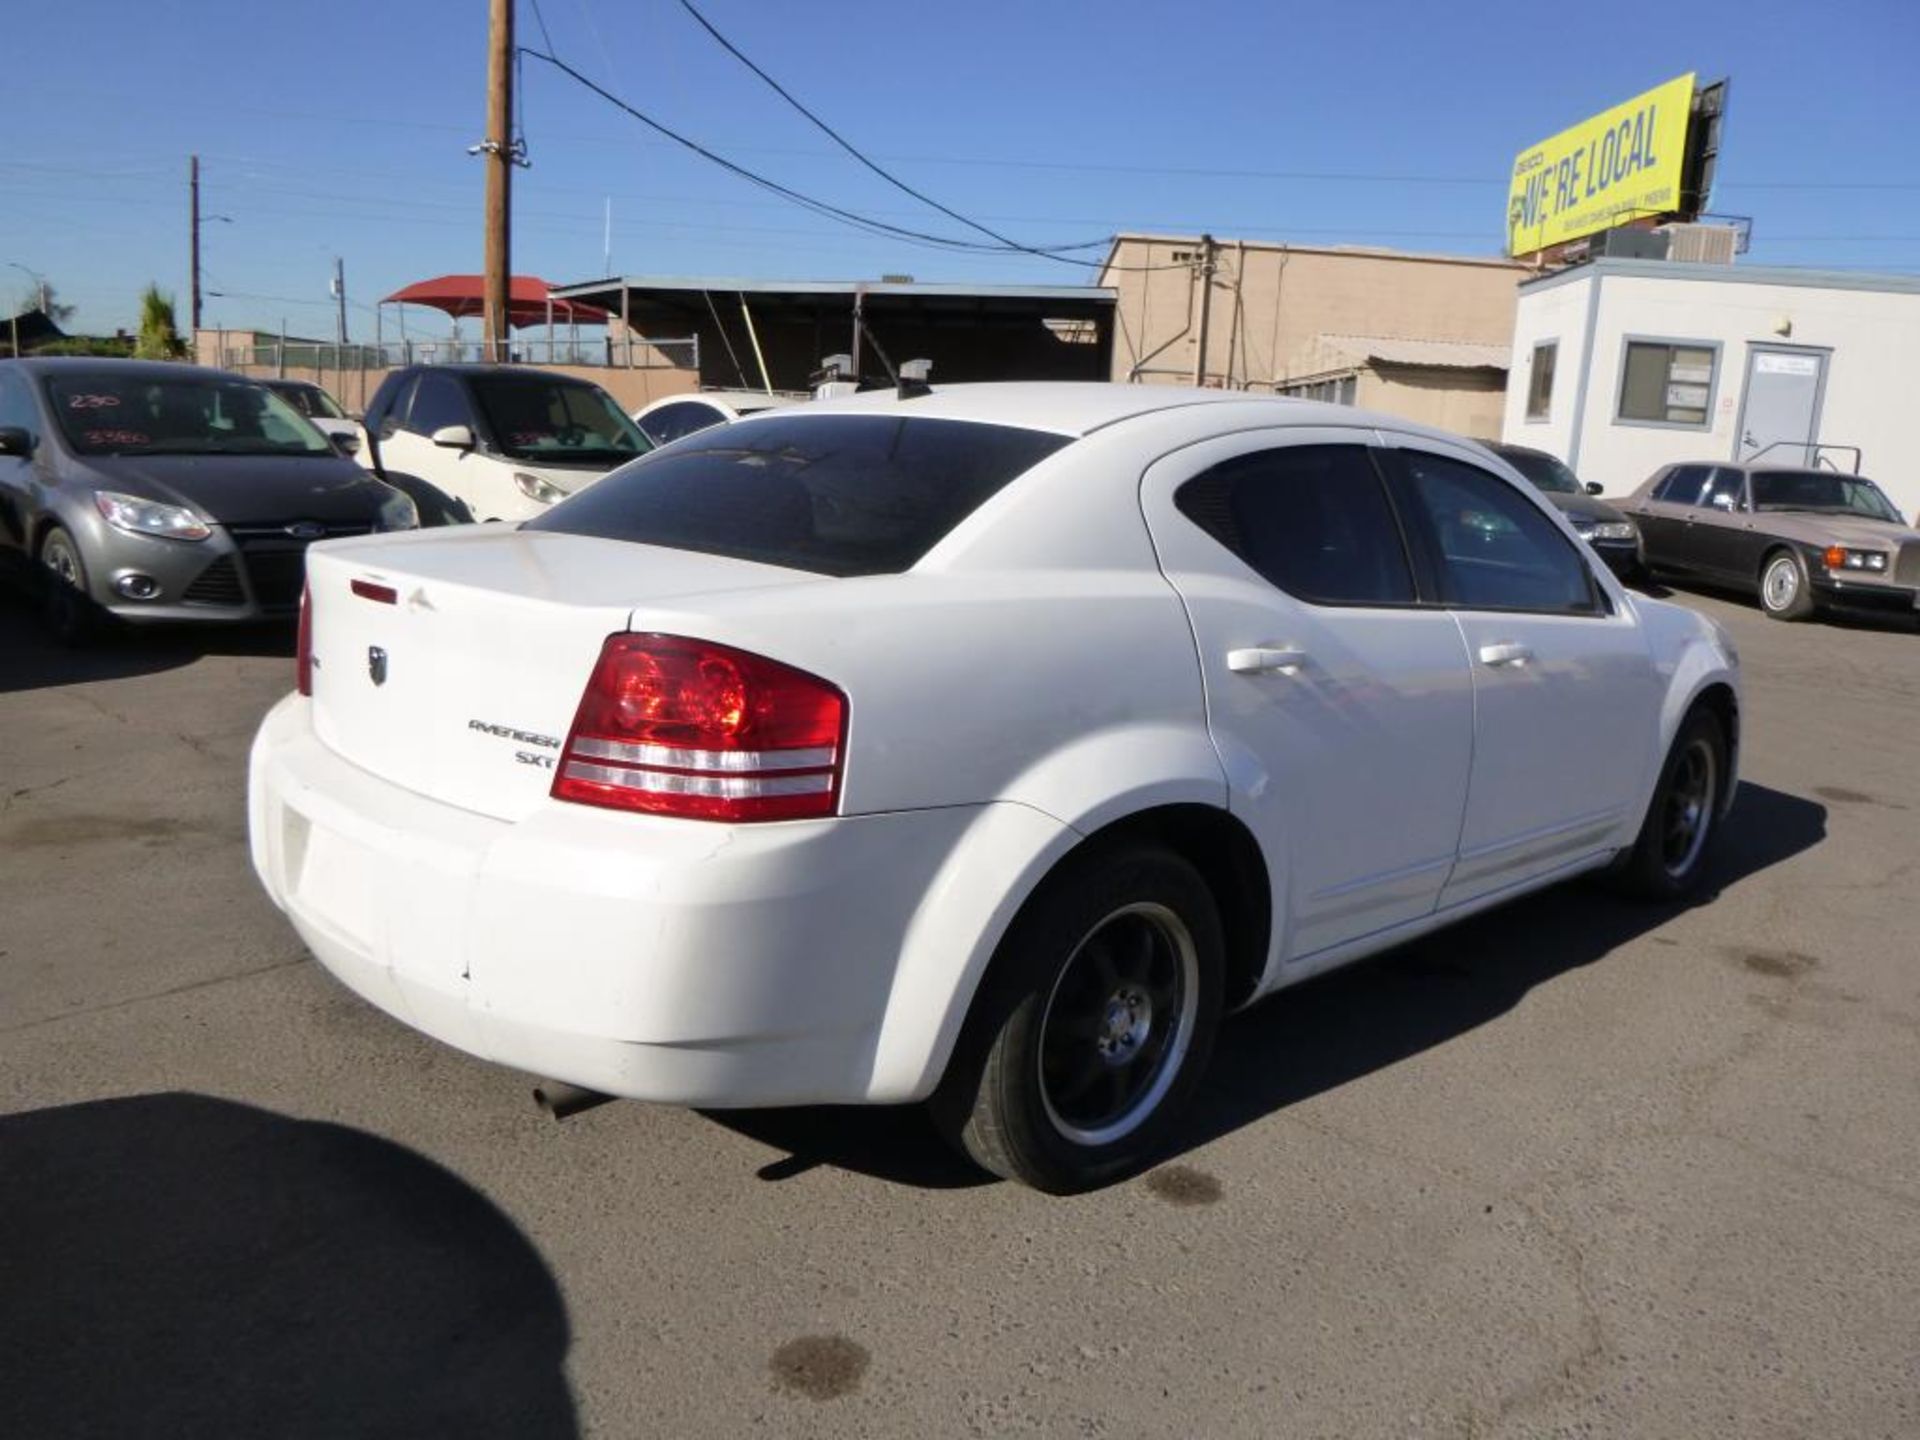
point(1507, 652)
point(1258, 660)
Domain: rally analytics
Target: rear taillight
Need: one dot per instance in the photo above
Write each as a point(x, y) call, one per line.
point(303, 646)
point(673, 726)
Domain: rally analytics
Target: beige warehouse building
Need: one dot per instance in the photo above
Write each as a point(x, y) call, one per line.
point(1426, 337)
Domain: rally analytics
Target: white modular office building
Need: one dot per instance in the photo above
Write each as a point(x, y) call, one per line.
point(1621, 366)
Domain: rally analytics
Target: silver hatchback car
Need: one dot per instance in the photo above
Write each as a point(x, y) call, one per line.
point(151, 492)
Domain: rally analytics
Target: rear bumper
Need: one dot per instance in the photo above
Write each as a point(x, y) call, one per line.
point(658, 959)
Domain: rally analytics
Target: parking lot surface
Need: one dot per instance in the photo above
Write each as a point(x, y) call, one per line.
point(1575, 1167)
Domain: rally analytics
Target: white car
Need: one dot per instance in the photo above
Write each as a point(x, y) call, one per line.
point(501, 442)
point(982, 747)
point(674, 416)
point(323, 410)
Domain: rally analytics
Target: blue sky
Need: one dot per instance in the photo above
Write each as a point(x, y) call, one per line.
point(342, 130)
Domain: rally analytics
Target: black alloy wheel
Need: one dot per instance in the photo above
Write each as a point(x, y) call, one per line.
point(1093, 1027)
point(1668, 859)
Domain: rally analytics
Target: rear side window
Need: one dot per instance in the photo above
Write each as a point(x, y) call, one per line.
point(388, 408)
point(1312, 519)
point(1683, 484)
point(1495, 549)
point(834, 494)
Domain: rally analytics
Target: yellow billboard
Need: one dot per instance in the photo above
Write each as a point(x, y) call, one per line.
point(1601, 172)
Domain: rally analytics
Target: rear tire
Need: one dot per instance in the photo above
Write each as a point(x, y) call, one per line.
point(1668, 859)
point(1786, 593)
point(1094, 1024)
point(66, 605)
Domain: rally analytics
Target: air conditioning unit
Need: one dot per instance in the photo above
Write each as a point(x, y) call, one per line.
point(1629, 242)
point(1701, 244)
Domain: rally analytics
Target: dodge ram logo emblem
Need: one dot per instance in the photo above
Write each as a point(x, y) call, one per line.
point(376, 665)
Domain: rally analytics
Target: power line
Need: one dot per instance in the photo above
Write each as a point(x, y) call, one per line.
point(819, 207)
point(853, 150)
point(822, 207)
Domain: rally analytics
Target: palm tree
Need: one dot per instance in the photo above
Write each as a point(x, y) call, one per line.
point(159, 337)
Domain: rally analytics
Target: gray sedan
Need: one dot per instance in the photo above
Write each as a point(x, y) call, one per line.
point(151, 492)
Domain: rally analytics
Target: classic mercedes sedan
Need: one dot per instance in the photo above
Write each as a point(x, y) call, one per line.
point(980, 747)
point(1797, 538)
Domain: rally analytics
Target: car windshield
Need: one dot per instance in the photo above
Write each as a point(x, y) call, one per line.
point(1546, 472)
point(309, 400)
point(834, 494)
point(1825, 491)
point(124, 412)
point(557, 422)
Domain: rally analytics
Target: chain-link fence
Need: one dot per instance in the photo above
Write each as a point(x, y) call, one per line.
point(636, 352)
point(353, 372)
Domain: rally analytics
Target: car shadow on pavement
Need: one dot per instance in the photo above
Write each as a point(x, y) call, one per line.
point(1355, 1021)
point(174, 1264)
point(889, 1142)
point(31, 659)
point(1349, 1023)
point(1857, 617)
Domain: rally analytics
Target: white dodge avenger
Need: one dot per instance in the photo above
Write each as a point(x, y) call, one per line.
point(980, 747)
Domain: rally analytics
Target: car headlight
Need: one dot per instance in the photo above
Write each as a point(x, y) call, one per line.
point(534, 488)
point(398, 512)
point(149, 517)
point(1611, 530)
point(1839, 557)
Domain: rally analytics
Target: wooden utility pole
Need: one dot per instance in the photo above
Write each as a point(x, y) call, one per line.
point(497, 149)
point(193, 240)
point(1206, 308)
point(340, 301)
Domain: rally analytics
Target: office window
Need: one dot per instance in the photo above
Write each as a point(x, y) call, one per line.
point(1662, 383)
point(1540, 382)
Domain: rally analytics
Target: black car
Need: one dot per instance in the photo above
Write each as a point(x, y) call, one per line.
point(155, 492)
point(1613, 536)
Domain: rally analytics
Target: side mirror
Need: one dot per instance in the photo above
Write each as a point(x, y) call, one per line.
point(15, 441)
point(1594, 487)
point(347, 445)
point(454, 437)
point(1726, 502)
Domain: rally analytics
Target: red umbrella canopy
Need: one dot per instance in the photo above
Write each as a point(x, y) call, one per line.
point(528, 299)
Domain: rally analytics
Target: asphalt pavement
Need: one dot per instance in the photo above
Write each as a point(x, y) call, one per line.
point(1577, 1167)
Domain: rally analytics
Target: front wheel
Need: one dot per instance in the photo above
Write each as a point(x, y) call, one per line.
point(1094, 1025)
point(1785, 591)
point(1668, 859)
point(65, 604)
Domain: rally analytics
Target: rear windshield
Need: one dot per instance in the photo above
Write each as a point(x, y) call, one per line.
point(1542, 469)
point(834, 494)
point(310, 400)
point(557, 422)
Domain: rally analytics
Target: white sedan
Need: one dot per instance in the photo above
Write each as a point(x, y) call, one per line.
point(983, 747)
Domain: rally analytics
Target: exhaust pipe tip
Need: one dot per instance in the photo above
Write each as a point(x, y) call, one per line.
point(559, 1099)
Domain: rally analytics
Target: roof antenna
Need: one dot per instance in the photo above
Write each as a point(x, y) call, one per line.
point(913, 379)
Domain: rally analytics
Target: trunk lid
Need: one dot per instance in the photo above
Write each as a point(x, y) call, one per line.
point(462, 688)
